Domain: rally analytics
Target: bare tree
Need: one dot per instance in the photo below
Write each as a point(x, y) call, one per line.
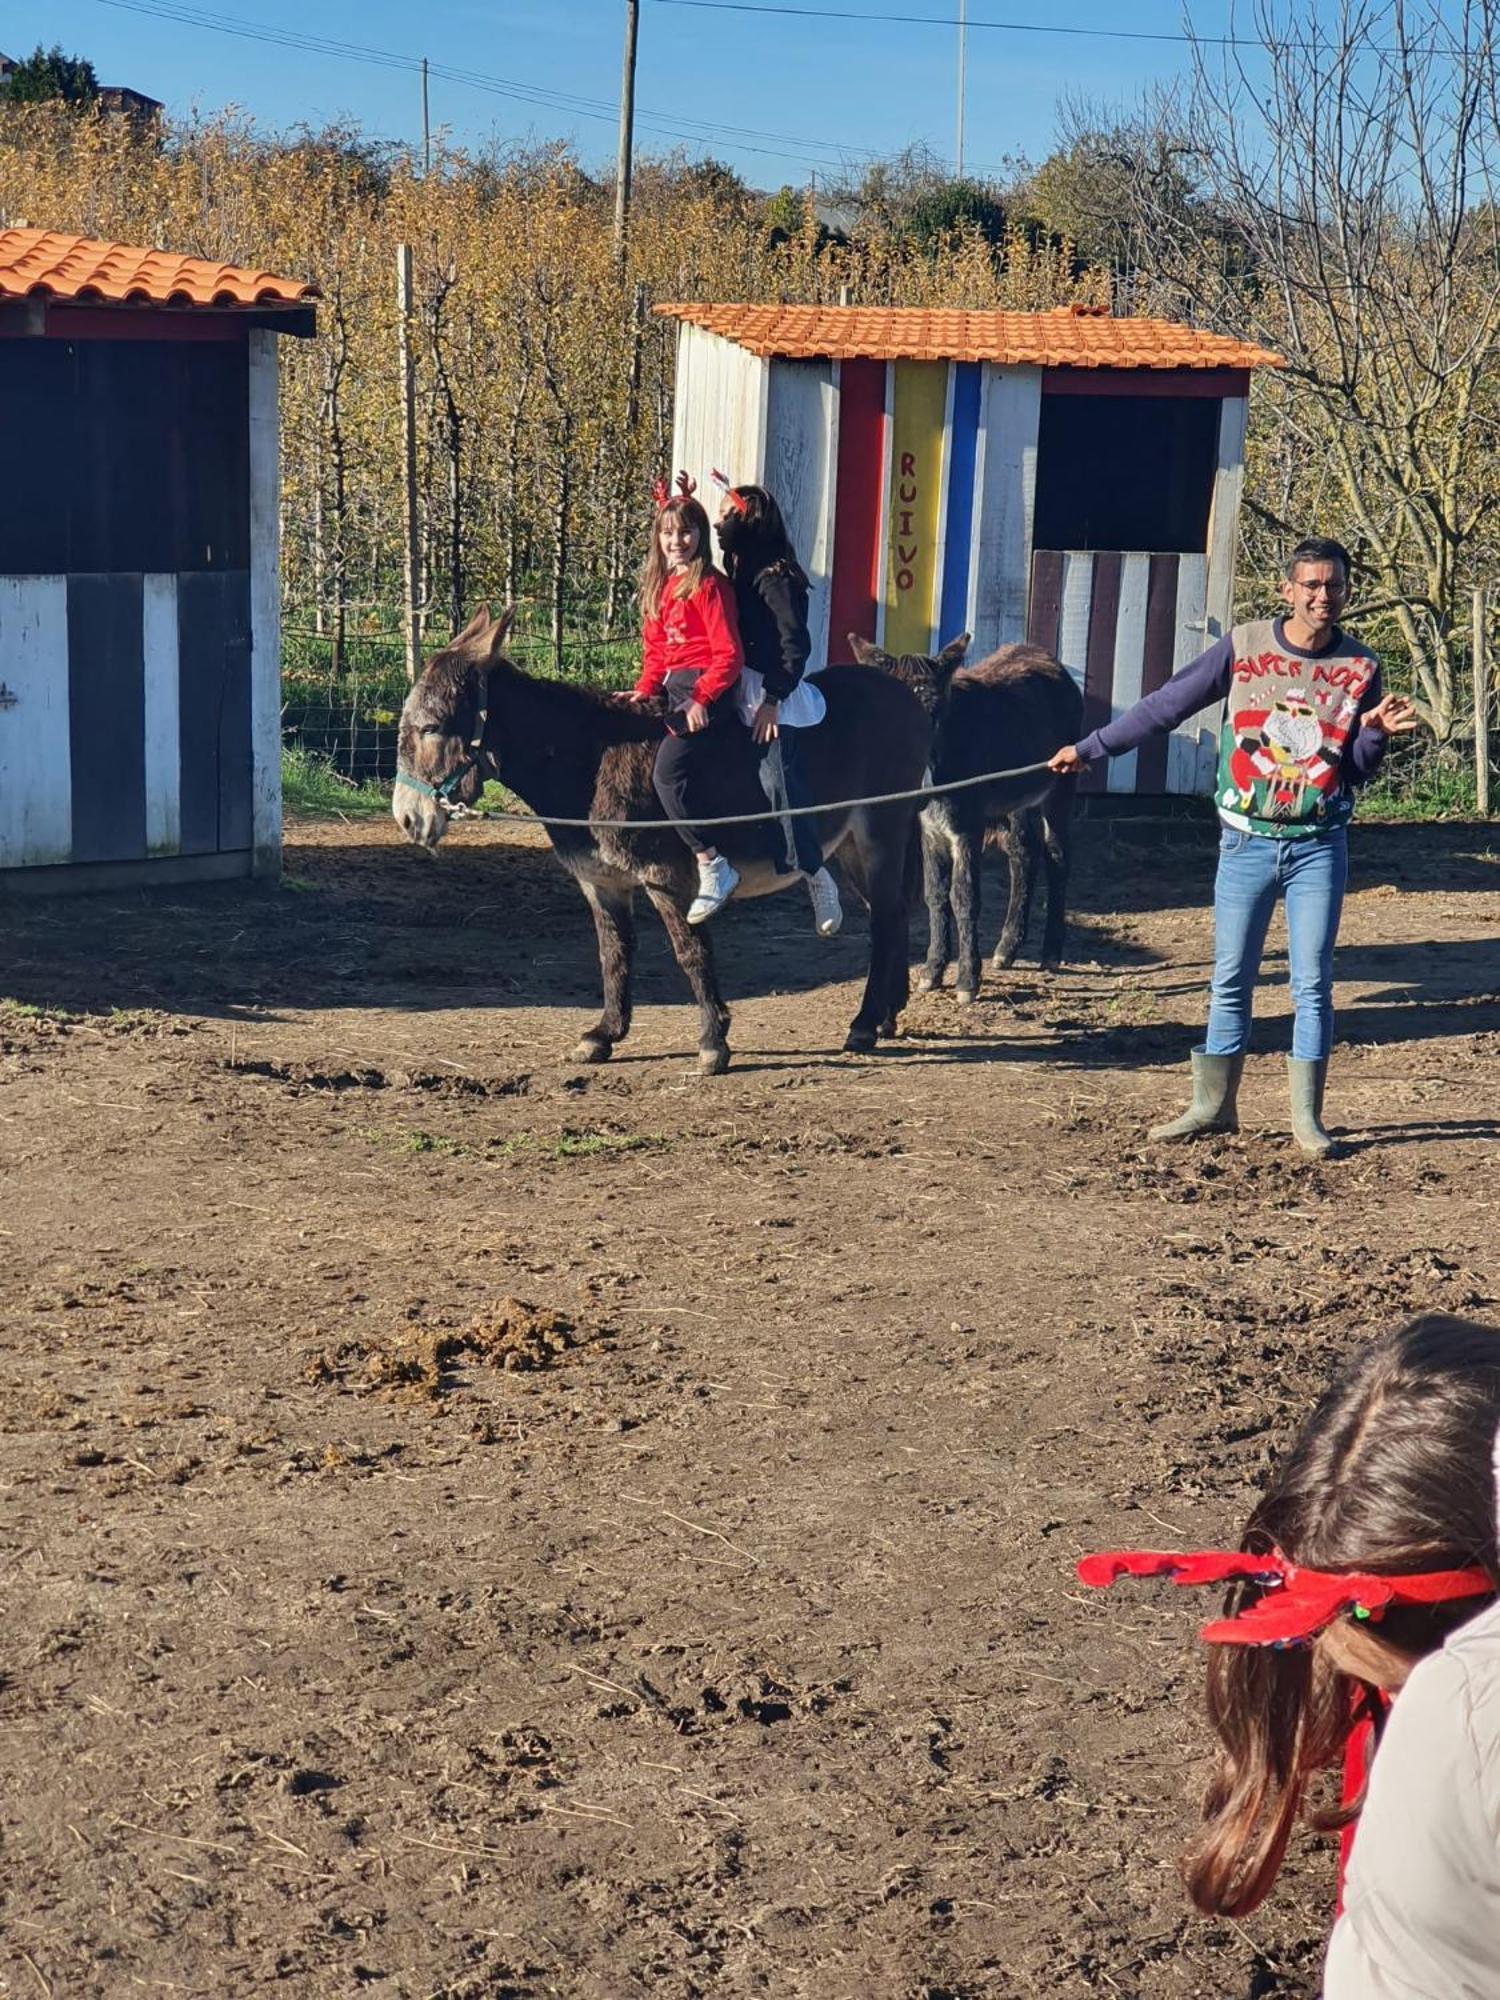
point(1353, 162)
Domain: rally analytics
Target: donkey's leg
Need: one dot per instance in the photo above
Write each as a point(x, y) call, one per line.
point(1057, 825)
point(694, 953)
point(875, 857)
point(1023, 844)
point(968, 847)
point(614, 921)
point(937, 878)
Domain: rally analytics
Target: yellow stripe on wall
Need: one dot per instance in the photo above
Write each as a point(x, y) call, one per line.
point(913, 504)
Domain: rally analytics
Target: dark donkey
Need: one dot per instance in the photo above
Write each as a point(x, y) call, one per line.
point(574, 752)
point(1013, 709)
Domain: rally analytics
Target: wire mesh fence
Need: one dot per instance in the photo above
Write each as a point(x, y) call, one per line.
point(342, 690)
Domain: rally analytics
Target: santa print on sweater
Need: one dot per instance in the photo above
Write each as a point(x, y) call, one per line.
point(698, 635)
point(1287, 726)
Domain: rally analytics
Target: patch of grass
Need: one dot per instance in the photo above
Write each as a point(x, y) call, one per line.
point(310, 784)
point(565, 1145)
point(29, 1010)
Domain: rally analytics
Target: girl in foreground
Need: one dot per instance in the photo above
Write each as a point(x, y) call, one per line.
point(1376, 1540)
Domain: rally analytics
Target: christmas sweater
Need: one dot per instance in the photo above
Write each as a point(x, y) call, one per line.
point(692, 646)
point(1291, 746)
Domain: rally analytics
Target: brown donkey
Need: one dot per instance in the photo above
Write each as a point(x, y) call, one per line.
point(576, 753)
point(1013, 709)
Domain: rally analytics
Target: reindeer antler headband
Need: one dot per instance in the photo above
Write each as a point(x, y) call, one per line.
point(1299, 1603)
point(736, 500)
point(661, 493)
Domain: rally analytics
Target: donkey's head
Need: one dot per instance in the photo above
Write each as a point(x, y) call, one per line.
point(440, 759)
point(927, 677)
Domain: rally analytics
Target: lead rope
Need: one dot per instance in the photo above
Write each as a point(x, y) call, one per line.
point(923, 792)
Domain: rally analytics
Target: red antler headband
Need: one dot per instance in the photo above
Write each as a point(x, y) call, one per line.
point(1299, 1603)
point(661, 493)
point(736, 500)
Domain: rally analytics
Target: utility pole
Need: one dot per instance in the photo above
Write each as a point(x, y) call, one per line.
point(426, 126)
point(963, 49)
point(627, 126)
point(411, 615)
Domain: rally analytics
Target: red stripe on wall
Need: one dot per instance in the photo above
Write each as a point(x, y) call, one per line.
point(1156, 665)
point(1099, 670)
point(1216, 382)
point(857, 504)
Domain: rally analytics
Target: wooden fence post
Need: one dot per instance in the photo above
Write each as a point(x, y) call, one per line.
point(1481, 705)
point(411, 621)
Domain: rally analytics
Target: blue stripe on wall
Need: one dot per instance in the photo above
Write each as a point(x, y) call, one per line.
point(963, 441)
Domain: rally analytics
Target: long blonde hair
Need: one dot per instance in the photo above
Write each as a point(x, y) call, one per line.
point(654, 571)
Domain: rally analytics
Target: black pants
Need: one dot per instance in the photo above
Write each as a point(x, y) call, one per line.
point(793, 843)
point(675, 759)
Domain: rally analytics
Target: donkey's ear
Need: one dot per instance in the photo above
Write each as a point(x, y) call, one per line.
point(499, 632)
point(473, 629)
point(952, 655)
point(867, 654)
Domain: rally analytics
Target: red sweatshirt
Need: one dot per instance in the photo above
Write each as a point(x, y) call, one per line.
point(699, 635)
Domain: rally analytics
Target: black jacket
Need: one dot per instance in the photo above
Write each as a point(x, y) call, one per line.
point(772, 607)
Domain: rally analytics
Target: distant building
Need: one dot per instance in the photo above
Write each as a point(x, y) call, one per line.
point(118, 100)
point(7, 64)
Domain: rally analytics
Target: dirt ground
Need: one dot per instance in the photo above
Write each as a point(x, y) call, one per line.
point(478, 1527)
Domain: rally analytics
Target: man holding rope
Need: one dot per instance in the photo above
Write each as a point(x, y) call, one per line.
point(1305, 721)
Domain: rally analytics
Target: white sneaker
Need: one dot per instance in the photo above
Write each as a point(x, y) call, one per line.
point(828, 911)
point(717, 882)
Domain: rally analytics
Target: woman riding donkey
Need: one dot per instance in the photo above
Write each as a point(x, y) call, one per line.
point(691, 653)
point(778, 702)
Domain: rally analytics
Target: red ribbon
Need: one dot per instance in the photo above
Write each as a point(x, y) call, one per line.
point(1298, 1603)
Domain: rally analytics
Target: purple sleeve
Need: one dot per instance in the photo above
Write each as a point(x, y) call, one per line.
point(1192, 687)
point(1364, 753)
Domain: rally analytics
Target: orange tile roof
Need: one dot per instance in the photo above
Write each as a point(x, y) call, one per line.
point(46, 263)
point(1066, 337)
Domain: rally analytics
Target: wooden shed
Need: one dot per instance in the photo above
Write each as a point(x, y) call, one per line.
point(1062, 476)
point(139, 563)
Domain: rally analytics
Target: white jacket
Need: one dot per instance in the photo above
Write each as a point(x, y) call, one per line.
point(1421, 1914)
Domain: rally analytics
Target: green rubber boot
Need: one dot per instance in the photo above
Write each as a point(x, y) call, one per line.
point(1307, 1080)
point(1216, 1083)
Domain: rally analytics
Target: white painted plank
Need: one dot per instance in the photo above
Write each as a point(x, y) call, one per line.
point(265, 603)
point(36, 777)
point(1224, 515)
point(799, 472)
point(750, 376)
point(1185, 744)
point(1005, 485)
point(1077, 602)
point(162, 695)
point(1130, 659)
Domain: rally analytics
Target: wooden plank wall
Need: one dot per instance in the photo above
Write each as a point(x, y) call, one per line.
point(1123, 622)
point(131, 733)
point(801, 447)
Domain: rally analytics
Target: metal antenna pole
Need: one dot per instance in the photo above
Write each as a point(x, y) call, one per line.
point(426, 125)
point(963, 45)
point(627, 123)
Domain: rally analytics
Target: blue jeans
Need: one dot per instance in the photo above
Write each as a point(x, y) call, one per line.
point(1253, 871)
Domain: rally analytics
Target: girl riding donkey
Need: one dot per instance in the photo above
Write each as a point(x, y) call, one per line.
point(770, 595)
point(690, 651)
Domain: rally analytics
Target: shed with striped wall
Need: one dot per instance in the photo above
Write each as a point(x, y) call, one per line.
point(139, 563)
point(1064, 476)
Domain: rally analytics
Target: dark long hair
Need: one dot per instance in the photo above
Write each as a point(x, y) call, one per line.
point(754, 538)
point(1392, 1474)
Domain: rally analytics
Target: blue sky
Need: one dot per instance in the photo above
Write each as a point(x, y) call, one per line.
point(776, 97)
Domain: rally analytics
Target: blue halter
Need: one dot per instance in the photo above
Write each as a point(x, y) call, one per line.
point(444, 793)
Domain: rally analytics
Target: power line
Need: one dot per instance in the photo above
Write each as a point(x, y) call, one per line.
point(744, 138)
